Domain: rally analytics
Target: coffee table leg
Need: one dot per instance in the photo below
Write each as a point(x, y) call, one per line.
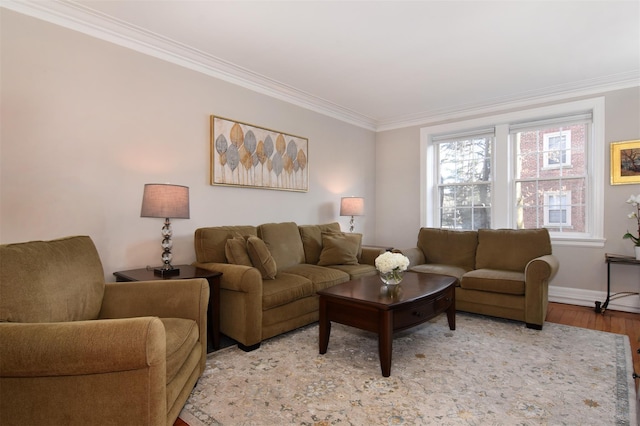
point(451, 313)
point(385, 341)
point(324, 327)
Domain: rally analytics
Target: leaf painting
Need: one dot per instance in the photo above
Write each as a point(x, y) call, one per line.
point(256, 157)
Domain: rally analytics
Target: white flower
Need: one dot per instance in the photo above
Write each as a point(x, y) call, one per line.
point(389, 261)
point(634, 200)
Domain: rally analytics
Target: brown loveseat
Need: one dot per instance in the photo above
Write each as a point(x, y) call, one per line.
point(501, 272)
point(271, 273)
point(77, 351)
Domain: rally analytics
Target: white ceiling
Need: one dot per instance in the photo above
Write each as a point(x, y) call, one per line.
point(380, 64)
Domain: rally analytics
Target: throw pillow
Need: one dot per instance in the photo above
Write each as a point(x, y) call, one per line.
point(338, 249)
point(261, 258)
point(235, 250)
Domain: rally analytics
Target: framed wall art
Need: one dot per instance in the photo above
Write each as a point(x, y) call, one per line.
point(625, 162)
point(249, 156)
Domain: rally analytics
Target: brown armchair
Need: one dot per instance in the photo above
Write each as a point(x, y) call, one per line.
point(75, 350)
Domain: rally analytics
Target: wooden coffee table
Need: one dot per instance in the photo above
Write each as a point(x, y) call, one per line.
point(366, 304)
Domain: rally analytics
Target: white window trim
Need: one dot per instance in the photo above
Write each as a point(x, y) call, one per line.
point(502, 196)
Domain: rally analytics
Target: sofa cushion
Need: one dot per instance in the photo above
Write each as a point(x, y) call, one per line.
point(436, 268)
point(181, 334)
point(339, 249)
point(261, 258)
point(311, 236)
point(356, 271)
point(495, 281)
point(285, 288)
point(235, 250)
point(210, 242)
point(448, 247)
point(284, 243)
point(321, 276)
point(51, 281)
point(511, 249)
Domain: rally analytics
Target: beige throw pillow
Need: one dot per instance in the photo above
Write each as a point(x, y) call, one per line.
point(339, 249)
point(261, 258)
point(235, 249)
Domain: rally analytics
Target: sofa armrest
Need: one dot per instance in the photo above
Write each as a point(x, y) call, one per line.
point(415, 256)
point(538, 273)
point(81, 347)
point(240, 301)
point(246, 279)
point(541, 269)
point(369, 254)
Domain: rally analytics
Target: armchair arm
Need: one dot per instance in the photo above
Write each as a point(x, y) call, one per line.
point(163, 298)
point(80, 347)
point(83, 372)
point(415, 255)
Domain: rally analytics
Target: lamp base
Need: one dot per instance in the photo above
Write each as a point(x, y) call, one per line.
point(160, 272)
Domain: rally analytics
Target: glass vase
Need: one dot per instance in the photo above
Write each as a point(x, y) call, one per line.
point(392, 278)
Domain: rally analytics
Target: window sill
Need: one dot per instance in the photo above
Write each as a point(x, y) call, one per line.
point(578, 241)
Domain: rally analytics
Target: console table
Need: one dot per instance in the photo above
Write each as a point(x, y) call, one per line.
point(619, 259)
point(187, 272)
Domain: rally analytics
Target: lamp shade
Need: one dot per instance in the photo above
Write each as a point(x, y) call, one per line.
point(164, 200)
point(352, 206)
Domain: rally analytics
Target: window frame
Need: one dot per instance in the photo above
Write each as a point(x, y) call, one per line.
point(547, 150)
point(503, 157)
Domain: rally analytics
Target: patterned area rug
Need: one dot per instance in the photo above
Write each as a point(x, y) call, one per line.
point(487, 371)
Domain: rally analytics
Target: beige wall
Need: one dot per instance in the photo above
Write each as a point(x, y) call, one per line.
point(85, 124)
point(582, 269)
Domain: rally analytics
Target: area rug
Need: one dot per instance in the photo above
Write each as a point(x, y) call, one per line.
point(487, 371)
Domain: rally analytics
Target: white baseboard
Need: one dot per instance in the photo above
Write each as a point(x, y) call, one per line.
point(575, 296)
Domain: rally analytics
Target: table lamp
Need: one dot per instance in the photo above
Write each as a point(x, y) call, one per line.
point(167, 201)
point(351, 206)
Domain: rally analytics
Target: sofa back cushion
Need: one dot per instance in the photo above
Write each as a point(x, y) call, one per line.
point(443, 246)
point(284, 243)
point(312, 239)
point(339, 248)
point(51, 281)
point(210, 242)
point(511, 249)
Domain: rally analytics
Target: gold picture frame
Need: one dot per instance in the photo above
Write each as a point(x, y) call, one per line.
point(625, 162)
point(249, 156)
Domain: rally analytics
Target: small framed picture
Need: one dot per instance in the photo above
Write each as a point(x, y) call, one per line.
point(625, 162)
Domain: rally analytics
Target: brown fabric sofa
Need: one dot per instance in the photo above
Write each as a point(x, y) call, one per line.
point(272, 289)
point(77, 351)
point(501, 272)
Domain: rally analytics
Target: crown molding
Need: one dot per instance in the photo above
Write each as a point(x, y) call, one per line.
point(76, 17)
point(577, 89)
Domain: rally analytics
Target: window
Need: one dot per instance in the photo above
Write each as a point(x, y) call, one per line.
point(464, 168)
point(551, 174)
point(541, 167)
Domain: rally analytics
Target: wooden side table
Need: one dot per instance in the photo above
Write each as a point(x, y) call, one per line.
point(187, 272)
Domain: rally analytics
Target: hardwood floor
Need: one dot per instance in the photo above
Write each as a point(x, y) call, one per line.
point(585, 317)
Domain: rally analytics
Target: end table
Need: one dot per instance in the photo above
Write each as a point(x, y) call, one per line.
point(187, 272)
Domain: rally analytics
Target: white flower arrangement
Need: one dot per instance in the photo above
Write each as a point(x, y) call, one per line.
point(391, 262)
point(634, 200)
